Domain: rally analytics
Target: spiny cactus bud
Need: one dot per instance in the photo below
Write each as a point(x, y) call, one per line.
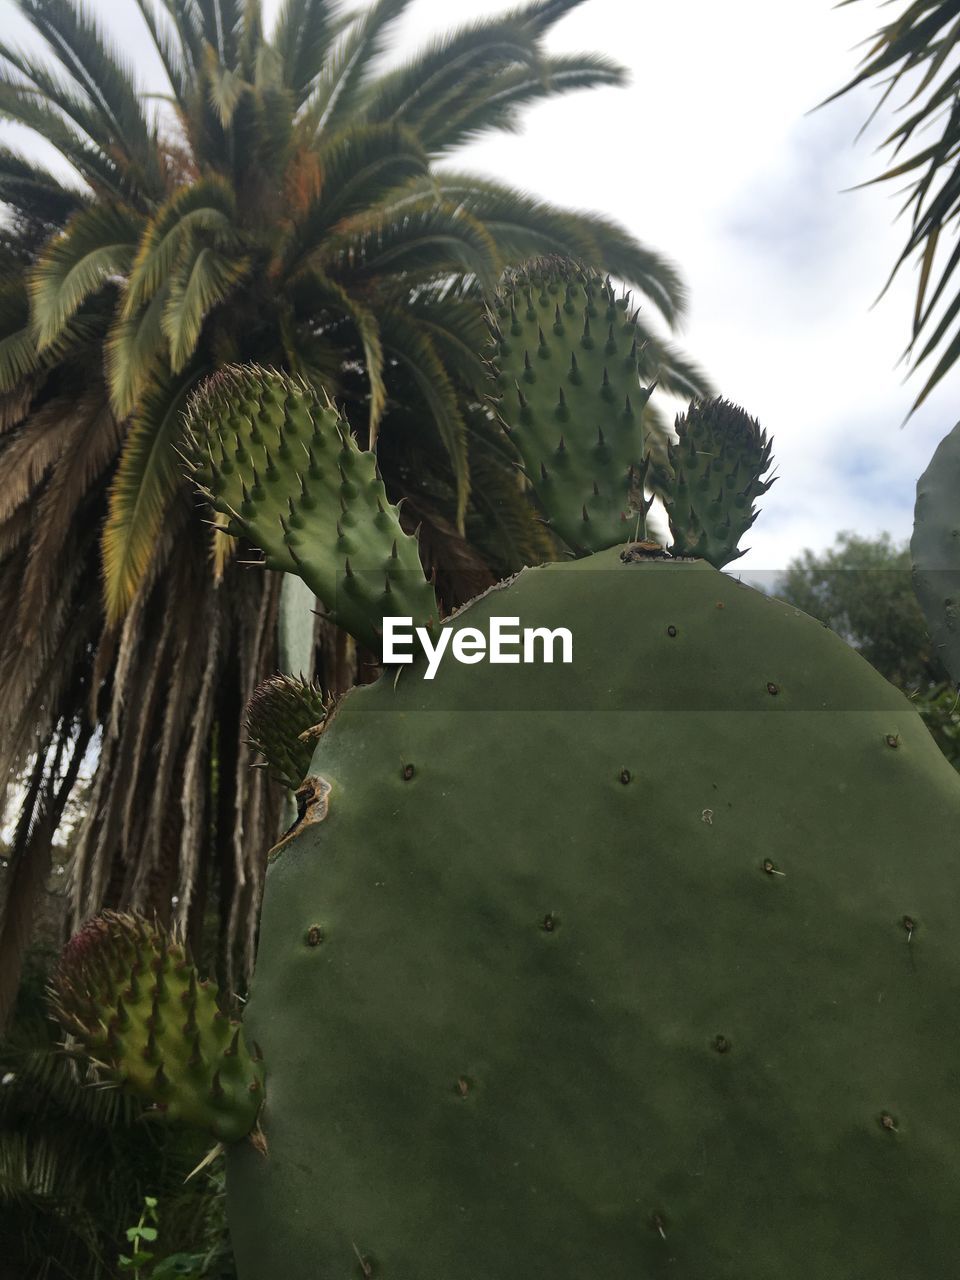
point(717, 463)
point(567, 365)
point(281, 717)
point(129, 992)
point(281, 465)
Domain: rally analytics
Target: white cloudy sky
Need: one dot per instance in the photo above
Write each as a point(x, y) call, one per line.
point(711, 157)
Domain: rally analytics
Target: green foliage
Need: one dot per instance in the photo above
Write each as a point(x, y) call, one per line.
point(142, 1262)
point(916, 51)
point(862, 589)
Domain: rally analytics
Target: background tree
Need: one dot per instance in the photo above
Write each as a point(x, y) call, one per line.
point(915, 52)
point(280, 205)
point(862, 589)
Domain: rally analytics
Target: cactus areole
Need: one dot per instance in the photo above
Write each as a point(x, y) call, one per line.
point(638, 966)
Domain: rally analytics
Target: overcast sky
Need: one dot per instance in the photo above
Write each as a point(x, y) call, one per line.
point(711, 157)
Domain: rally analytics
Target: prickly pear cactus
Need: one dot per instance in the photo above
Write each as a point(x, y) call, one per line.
point(568, 392)
point(642, 966)
point(284, 718)
point(284, 470)
point(935, 550)
point(718, 463)
point(130, 994)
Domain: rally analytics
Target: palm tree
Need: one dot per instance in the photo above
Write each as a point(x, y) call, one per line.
point(915, 51)
point(279, 204)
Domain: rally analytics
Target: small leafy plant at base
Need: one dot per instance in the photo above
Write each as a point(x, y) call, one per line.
point(142, 1263)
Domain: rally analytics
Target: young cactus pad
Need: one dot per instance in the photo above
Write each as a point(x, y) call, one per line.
point(130, 994)
point(566, 363)
point(718, 463)
point(285, 471)
point(644, 966)
point(282, 718)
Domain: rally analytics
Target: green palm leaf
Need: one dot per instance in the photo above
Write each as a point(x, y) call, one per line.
point(34, 191)
point(134, 352)
point(99, 244)
point(368, 328)
point(334, 97)
point(145, 484)
point(205, 206)
point(421, 240)
point(75, 40)
point(924, 37)
point(24, 107)
point(416, 89)
point(357, 168)
point(201, 281)
point(415, 349)
point(484, 103)
point(301, 38)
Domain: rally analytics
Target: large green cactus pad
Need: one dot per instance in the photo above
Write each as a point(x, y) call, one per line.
point(642, 967)
point(566, 361)
point(285, 471)
point(935, 550)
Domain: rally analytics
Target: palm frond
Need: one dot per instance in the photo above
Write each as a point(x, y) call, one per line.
point(98, 245)
point(924, 37)
point(355, 170)
point(133, 352)
point(487, 103)
point(142, 490)
point(523, 227)
point(85, 458)
point(76, 41)
point(333, 100)
point(203, 279)
point(416, 351)
point(367, 325)
point(185, 21)
point(544, 14)
point(34, 191)
point(169, 50)
point(301, 37)
point(208, 205)
point(25, 107)
point(413, 91)
point(424, 239)
point(225, 87)
point(19, 357)
point(30, 451)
